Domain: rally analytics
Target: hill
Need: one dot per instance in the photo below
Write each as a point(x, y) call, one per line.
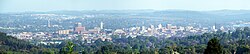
point(11, 45)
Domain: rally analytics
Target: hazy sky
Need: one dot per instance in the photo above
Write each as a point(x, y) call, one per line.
point(51, 5)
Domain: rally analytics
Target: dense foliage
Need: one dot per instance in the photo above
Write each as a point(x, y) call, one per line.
point(230, 42)
point(213, 47)
point(11, 45)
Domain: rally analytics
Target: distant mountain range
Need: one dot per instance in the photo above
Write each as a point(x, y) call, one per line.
point(171, 13)
point(218, 16)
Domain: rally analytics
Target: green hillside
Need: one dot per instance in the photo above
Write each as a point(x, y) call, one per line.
point(11, 45)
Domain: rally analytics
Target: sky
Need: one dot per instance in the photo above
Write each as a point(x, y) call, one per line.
point(55, 5)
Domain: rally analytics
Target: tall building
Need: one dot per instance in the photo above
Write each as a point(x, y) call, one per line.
point(78, 28)
point(159, 26)
point(152, 26)
point(152, 29)
point(101, 26)
point(49, 23)
point(214, 28)
point(169, 26)
point(143, 28)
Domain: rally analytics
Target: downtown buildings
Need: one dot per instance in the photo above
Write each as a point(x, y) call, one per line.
point(79, 32)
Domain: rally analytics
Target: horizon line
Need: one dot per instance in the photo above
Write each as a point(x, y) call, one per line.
point(130, 10)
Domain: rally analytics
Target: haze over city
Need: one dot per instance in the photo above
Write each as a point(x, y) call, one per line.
point(55, 5)
point(124, 26)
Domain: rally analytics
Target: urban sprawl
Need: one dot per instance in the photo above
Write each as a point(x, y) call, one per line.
point(79, 32)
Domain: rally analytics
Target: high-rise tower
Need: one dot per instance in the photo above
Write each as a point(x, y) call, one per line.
point(159, 26)
point(49, 23)
point(101, 26)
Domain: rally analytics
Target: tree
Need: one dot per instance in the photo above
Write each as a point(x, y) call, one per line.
point(63, 50)
point(166, 50)
point(68, 49)
point(243, 49)
point(213, 47)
